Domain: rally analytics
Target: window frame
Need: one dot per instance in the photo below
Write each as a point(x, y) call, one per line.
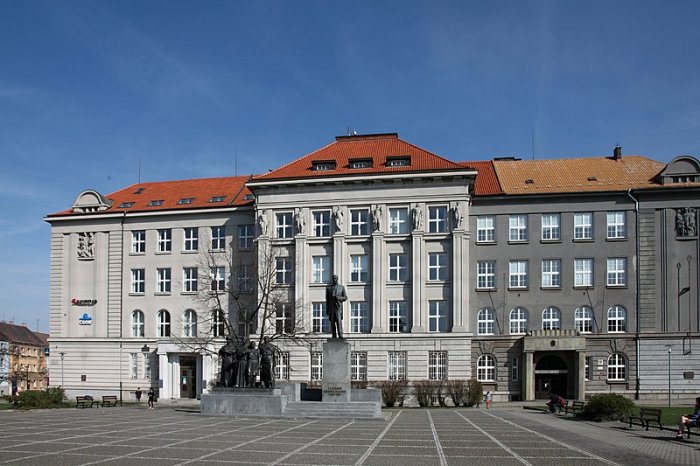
point(437, 266)
point(358, 365)
point(316, 366)
point(138, 324)
point(165, 240)
point(138, 242)
point(189, 323)
point(486, 321)
point(190, 240)
point(583, 272)
point(616, 319)
point(359, 222)
point(437, 365)
point(616, 225)
point(218, 238)
point(518, 228)
point(583, 319)
point(319, 319)
point(320, 269)
point(164, 280)
point(583, 226)
point(438, 316)
point(398, 221)
point(551, 273)
point(245, 236)
point(398, 267)
point(217, 275)
point(284, 225)
point(617, 367)
point(486, 368)
point(190, 279)
point(486, 229)
point(359, 317)
point(551, 227)
point(284, 275)
point(359, 268)
point(321, 223)
point(138, 281)
point(486, 275)
point(551, 318)
point(518, 274)
point(164, 322)
point(396, 365)
point(398, 313)
point(616, 276)
point(519, 317)
point(437, 219)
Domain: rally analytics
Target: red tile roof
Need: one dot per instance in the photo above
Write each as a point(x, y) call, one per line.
point(486, 183)
point(379, 148)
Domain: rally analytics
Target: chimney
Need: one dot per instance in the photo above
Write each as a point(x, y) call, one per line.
point(617, 152)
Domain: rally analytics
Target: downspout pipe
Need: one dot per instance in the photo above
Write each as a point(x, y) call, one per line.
point(121, 306)
point(637, 286)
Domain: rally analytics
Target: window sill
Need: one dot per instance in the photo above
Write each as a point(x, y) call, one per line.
point(518, 288)
point(583, 240)
point(486, 243)
point(550, 241)
point(163, 253)
point(190, 252)
point(188, 293)
point(518, 242)
point(164, 293)
point(613, 240)
point(137, 294)
point(486, 289)
point(616, 287)
point(583, 287)
point(137, 253)
point(550, 288)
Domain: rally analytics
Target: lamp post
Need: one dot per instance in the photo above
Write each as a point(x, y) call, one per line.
point(669, 375)
point(63, 355)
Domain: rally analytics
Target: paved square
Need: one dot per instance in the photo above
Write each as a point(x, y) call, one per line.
point(168, 436)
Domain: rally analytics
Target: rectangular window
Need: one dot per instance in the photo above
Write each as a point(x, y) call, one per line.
point(583, 272)
point(359, 317)
point(189, 279)
point(398, 267)
point(486, 229)
point(319, 318)
point(284, 319)
point(245, 236)
point(358, 365)
point(163, 280)
point(550, 227)
point(514, 370)
point(284, 225)
point(317, 365)
point(322, 223)
point(138, 242)
point(191, 239)
point(134, 365)
point(616, 225)
point(437, 316)
point(359, 222)
point(397, 365)
point(486, 275)
point(245, 278)
point(320, 269)
point(283, 271)
point(517, 228)
point(218, 279)
point(583, 225)
point(398, 220)
point(165, 240)
point(437, 365)
point(138, 281)
point(398, 317)
point(616, 271)
point(437, 219)
point(218, 238)
point(282, 366)
point(437, 266)
point(551, 273)
point(359, 268)
point(587, 370)
point(517, 277)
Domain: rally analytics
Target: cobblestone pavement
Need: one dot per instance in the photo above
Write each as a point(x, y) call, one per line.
point(178, 435)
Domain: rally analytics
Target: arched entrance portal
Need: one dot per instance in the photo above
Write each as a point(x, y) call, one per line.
point(551, 375)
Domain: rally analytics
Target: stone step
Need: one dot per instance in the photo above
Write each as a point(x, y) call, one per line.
point(333, 410)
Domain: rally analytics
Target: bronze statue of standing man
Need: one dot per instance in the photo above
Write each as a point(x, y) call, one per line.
point(335, 296)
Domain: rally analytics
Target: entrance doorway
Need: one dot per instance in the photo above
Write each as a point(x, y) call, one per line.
point(551, 375)
point(188, 371)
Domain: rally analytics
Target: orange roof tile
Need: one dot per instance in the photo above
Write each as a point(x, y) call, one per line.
point(200, 193)
point(486, 183)
point(592, 174)
point(379, 148)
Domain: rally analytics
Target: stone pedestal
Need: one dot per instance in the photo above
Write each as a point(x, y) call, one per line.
point(336, 371)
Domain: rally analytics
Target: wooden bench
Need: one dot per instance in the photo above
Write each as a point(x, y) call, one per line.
point(86, 401)
point(563, 407)
point(646, 416)
point(575, 407)
point(110, 400)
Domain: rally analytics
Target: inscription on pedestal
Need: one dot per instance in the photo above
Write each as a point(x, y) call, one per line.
point(336, 371)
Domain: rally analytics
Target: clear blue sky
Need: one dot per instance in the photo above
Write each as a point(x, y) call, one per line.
point(87, 88)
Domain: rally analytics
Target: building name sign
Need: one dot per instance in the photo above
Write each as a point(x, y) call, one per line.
point(83, 302)
point(85, 319)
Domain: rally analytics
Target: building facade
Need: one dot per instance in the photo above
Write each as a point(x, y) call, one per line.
point(573, 275)
point(22, 359)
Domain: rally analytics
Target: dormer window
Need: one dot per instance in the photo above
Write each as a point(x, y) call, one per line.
point(185, 200)
point(139, 190)
point(361, 163)
point(323, 165)
point(126, 205)
point(156, 203)
point(249, 197)
point(217, 199)
point(402, 161)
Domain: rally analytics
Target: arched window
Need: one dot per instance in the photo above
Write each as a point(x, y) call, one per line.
point(137, 324)
point(617, 367)
point(583, 319)
point(163, 323)
point(486, 368)
point(218, 325)
point(485, 322)
point(518, 321)
point(617, 315)
point(551, 318)
point(189, 327)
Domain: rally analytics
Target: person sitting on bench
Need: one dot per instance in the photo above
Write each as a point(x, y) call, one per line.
point(689, 420)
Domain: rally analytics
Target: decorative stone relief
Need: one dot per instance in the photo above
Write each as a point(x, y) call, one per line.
point(377, 217)
point(262, 222)
point(686, 224)
point(417, 217)
point(86, 246)
point(299, 221)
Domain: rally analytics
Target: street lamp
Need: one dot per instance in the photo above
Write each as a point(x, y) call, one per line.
point(63, 355)
point(669, 374)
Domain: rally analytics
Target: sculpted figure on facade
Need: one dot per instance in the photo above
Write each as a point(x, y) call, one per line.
point(457, 215)
point(339, 217)
point(86, 245)
point(299, 221)
point(686, 222)
point(227, 356)
point(377, 217)
point(417, 217)
point(252, 364)
point(262, 222)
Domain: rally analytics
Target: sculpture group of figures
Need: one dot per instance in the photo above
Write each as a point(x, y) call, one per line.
point(241, 363)
point(685, 222)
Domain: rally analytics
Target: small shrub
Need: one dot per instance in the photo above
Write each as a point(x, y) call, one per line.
point(49, 398)
point(423, 390)
point(457, 391)
point(391, 391)
point(475, 393)
point(608, 407)
point(358, 384)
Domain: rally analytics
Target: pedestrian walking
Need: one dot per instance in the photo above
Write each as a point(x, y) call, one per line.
point(487, 399)
point(138, 394)
point(151, 398)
